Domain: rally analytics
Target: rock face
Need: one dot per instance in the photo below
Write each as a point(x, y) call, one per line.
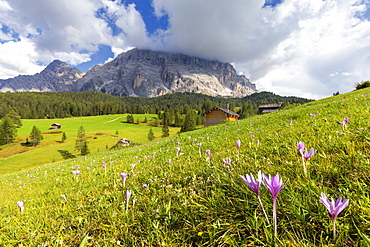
point(56, 77)
point(148, 73)
point(142, 73)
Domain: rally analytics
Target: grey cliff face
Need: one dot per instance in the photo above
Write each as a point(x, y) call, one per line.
point(142, 73)
point(56, 77)
point(148, 73)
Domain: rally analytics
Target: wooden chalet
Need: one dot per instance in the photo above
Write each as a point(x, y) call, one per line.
point(217, 115)
point(55, 126)
point(268, 108)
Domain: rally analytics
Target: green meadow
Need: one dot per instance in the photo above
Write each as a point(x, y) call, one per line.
point(101, 132)
point(175, 194)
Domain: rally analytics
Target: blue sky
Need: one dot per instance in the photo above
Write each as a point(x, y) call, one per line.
point(306, 48)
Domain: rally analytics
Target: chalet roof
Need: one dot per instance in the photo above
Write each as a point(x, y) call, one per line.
point(275, 105)
point(227, 111)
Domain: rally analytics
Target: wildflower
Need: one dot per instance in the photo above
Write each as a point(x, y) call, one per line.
point(77, 172)
point(64, 197)
point(290, 122)
point(169, 161)
point(312, 115)
point(208, 152)
point(238, 143)
point(123, 176)
point(346, 119)
point(226, 161)
point(20, 204)
point(255, 186)
point(273, 185)
point(199, 149)
point(305, 154)
point(300, 146)
point(308, 154)
point(128, 195)
point(334, 207)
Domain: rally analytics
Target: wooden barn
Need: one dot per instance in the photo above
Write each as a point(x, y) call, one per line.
point(55, 126)
point(268, 108)
point(217, 115)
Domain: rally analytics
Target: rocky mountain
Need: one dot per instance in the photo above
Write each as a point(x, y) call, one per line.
point(147, 73)
point(142, 73)
point(56, 77)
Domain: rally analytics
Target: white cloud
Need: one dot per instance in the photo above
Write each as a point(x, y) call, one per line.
point(65, 29)
point(292, 48)
point(19, 57)
point(308, 48)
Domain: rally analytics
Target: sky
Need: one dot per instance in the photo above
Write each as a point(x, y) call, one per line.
point(304, 48)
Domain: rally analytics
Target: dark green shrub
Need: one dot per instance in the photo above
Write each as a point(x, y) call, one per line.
point(362, 84)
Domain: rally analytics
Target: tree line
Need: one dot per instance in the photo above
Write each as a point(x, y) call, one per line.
point(36, 105)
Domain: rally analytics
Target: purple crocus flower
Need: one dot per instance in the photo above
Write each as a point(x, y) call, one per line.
point(169, 161)
point(123, 176)
point(312, 115)
point(300, 146)
point(226, 161)
point(77, 172)
point(238, 143)
point(346, 119)
point(252, 183)
point(199, 144)
point(208, 152)
point(177, 149)
point(308, 154)
point(255, 186)
point(104, 165)
point(20, 204)
point(273, 185)
point(128, 195)
point(334, 207)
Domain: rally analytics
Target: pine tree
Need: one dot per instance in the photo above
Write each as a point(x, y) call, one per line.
point(190, 121)
point(165, 131)
point(35, 136)
point(150, 135)
point(8, 131)
point(64, 137)
point(15, 117)
point(81, 142)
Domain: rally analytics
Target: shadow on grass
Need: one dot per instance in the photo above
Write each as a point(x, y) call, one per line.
point(66, 154)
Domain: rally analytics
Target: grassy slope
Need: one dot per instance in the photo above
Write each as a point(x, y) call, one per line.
point(200, 201)
point(101, 131)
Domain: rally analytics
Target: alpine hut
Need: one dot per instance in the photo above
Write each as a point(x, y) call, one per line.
point(217, 115)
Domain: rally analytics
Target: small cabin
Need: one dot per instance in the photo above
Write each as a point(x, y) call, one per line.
point(217, 115)
point(268, 108)
point(55, 126)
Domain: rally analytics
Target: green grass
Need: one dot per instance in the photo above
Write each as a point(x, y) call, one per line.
point(198, 201)
point(100, 130)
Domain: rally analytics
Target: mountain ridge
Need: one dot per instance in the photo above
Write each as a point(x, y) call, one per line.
point(142, 73)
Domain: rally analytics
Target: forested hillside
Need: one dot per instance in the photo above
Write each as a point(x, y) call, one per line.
point(33, 105)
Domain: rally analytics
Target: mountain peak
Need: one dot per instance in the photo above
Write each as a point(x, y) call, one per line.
point(147, 73)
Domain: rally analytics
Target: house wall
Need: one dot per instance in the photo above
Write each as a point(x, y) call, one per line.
point(214, 117)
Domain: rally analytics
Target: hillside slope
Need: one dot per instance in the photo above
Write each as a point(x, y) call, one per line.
point(189, 198)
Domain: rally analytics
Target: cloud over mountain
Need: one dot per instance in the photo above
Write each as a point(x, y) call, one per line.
point(308, 48)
